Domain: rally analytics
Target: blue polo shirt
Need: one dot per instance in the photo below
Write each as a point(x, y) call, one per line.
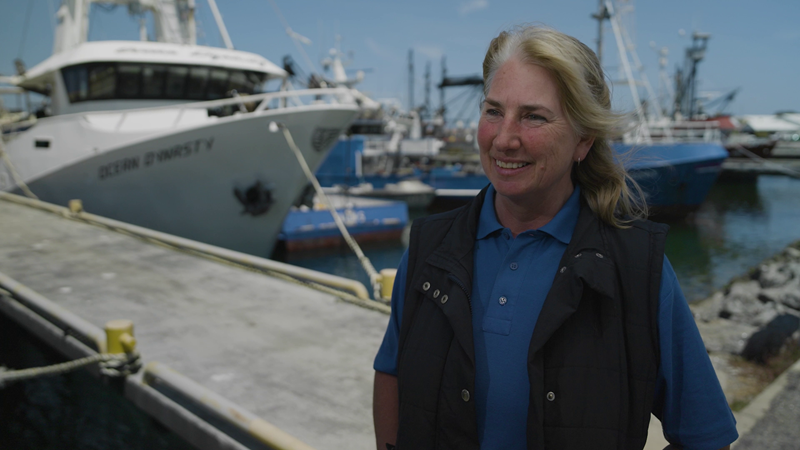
point(511, 279)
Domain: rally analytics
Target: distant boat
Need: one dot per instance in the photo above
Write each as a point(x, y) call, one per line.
point(167, 134)
point(675, 175)
point(366, 219)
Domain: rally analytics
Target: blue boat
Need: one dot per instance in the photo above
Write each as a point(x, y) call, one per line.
point(675, 176)
point(366, 220)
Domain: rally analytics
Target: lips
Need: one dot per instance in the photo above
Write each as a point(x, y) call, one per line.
point(510, 165)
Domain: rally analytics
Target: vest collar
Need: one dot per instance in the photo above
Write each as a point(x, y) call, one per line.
point(587, 263)
point(455, 253)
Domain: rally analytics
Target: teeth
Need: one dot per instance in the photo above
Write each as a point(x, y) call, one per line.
point(504, 165)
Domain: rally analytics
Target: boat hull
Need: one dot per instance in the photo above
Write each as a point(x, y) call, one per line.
point(185, 182)
point(366, 219)
point(675, 178)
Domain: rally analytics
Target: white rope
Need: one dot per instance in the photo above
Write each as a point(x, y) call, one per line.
point(365, 262)
point(111, 365)
point(14, 174)
point(777, 167)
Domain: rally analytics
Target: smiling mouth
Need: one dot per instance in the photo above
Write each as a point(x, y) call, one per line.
point(510, 165)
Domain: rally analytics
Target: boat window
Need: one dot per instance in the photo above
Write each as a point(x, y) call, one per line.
point(176, 81)
point(75, 80)
point(196, 83)
point(153, 78)
point(239, 82)
point(129, 78)
point(218, 84)
point(100, 81)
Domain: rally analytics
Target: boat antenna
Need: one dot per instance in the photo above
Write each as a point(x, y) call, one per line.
point(220, 24)
point(297, 38)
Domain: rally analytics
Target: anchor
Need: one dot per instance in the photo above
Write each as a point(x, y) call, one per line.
point(256, 199)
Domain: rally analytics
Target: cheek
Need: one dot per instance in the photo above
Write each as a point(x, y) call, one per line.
point(485, 135)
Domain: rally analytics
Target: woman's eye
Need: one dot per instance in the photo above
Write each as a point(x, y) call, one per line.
point(535, 117)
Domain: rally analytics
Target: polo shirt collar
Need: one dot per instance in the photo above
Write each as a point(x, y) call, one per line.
point(561, 227)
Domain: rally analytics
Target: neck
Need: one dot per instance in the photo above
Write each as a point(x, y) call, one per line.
point(519, 215)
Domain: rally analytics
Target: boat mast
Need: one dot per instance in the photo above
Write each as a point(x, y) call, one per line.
point(686, 87)
point(410, 80)
point(173, 19)
point(601, 15)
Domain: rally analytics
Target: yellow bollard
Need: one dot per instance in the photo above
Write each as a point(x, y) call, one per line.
point(75, 206)
point(119, 336)
point(387, 282)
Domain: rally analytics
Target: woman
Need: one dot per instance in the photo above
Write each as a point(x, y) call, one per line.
point(544, 314)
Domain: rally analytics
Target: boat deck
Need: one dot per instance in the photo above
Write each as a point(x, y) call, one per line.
point(743, 168)
point(297, 358)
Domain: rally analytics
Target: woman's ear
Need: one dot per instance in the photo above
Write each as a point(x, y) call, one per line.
point(583, 147)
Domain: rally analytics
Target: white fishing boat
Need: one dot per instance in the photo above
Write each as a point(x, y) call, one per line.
point(167, 134)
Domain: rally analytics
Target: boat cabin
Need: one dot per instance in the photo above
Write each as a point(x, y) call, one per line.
point(114, 75)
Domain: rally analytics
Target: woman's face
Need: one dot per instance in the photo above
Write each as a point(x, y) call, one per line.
point(527, 145)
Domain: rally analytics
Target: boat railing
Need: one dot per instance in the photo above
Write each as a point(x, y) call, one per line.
point(683, 131)
point(243, 105)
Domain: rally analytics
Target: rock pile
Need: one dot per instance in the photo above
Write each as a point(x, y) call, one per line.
point(755, 317)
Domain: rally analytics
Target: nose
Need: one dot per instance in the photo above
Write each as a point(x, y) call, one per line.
point(508, 135)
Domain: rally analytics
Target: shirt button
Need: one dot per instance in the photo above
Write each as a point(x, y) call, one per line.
point(444, 299)
point(426, 286)
point(563, 269)
point(503, 300)
point(513, 266)
point(551, 396)
point(599, 255)
point(435, 293)
point(465, 395)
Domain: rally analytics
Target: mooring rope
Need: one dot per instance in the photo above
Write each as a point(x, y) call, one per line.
point(110, 365)
point(374, 277)
point(14, 174)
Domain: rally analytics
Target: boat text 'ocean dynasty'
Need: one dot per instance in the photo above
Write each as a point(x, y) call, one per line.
point(177, 151)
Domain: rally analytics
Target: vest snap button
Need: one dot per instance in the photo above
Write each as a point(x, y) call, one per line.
point(563, 269)
point(465, 395)
point(599, 255)
point(444, 299)
point(426, 286)
point(435, 293)
point(578, 255)
point(551, 396)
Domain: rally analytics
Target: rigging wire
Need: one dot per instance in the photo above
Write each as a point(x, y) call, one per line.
point(25, 28)
point(297, 38)
point(469, 101)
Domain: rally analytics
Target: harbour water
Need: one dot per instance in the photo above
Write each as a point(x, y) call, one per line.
point(739, 225)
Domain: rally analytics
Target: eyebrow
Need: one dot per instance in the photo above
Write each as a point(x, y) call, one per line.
point(525, 108)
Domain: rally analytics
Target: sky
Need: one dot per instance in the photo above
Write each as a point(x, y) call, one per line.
point(754, 46)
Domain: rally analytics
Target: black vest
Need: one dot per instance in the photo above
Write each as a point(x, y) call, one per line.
point(594, 353)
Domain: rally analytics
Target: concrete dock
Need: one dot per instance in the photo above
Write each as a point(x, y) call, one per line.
point(298, 358)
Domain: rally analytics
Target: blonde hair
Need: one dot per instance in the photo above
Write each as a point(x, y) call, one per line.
point(586, 100)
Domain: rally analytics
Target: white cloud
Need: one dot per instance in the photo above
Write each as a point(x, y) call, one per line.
point(472, 6)
point(429, 51)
